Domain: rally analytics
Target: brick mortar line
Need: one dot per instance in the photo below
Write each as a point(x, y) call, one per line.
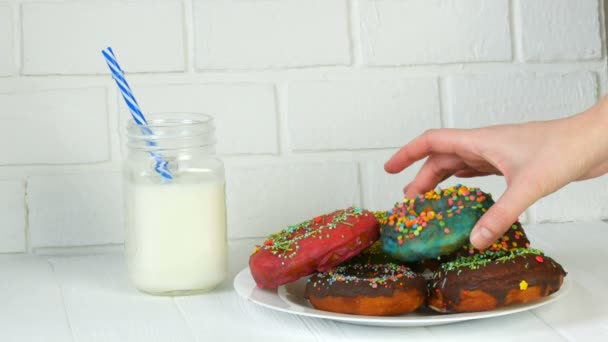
point(326, 73)
point(445, 119)
point(281, 91)
point(114, 127)
point(17, 36)
point(110, 115)
point(602, 9)
point(26, 228)
point(102, 249)
point(360, 184)
point(354, 30)
point(189, 39)
point(94, 249)
point(15, 171)
point(531, 216)
point(515, 31)
point(598, 85)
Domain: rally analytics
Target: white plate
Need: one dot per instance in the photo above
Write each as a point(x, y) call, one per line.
point(290, 298)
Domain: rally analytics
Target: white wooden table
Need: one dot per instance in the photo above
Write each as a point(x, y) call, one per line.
point(89, 298)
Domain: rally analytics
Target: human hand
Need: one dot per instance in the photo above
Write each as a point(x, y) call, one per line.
point(536, 159)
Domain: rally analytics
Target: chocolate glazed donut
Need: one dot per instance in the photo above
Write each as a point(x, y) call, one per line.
point(490, 280)
point(367, 289)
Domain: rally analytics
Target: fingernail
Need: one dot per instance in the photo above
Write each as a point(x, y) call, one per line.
point(481, 236)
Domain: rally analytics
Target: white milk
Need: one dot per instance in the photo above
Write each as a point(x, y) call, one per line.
point(176, 236)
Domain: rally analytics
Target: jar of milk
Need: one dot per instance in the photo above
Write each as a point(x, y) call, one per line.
point(175, 240)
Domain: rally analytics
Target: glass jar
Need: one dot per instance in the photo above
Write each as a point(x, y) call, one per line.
point(175, 240)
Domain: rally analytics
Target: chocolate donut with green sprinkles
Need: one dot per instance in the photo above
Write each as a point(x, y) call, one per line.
point(493, 279)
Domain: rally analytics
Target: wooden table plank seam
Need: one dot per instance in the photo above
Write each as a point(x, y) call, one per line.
point(310, 327)
point(62, 298)
point(185, 319)
point(560, 333)
point(320, 329)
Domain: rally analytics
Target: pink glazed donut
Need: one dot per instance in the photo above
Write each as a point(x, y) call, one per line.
point(312, 246)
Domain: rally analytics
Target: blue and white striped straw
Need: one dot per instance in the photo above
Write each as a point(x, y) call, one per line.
point(118, 74)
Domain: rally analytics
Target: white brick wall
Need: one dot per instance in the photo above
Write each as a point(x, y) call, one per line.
point(7, 48)
point(577, 201)
point(325, 115)
point(67, 37)
point(237, 108)
point(12, 212)
point(380, 189)
point(270, 33)
point(267, 197)
point(480, 100)
point(310, 97)
point(54, 126)
point(396, 32)
point(554, 29)
point(75, 210)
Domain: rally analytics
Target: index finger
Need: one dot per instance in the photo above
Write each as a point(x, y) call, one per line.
point(445, 141)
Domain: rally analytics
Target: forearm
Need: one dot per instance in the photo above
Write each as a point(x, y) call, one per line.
point(590, 130)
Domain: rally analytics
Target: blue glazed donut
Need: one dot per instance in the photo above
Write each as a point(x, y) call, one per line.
point(433, 224)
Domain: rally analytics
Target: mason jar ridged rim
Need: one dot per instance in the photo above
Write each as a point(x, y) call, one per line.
point(172, 130)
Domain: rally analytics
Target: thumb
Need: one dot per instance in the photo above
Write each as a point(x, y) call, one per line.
point(497, 220)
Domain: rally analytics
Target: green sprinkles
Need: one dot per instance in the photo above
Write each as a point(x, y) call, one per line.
point(480, 260)
point(284, 244)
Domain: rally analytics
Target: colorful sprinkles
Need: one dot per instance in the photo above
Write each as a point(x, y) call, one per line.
point(513, 239)
point(373, 275)
point(284, 244)
point(409, 222)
